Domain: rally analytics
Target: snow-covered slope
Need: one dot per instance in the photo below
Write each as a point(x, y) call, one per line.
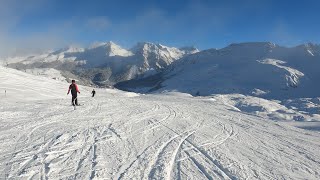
point(47, 72)
point(246, 68)
point(17, 86)
point(20, 86)
point(120, 135)
point(288, 110)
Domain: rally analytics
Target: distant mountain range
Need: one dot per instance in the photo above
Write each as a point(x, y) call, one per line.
point(256, 68)
point(259, 68)
point(105, 63)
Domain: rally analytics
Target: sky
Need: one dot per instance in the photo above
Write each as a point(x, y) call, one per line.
point(35, 25)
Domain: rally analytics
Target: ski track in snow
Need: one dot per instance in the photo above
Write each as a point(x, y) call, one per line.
point(113, 136)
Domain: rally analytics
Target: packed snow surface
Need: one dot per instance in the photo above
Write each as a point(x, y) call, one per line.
point(120, 135)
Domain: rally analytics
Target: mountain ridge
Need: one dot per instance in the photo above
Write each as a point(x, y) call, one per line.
point(279, 72)
point(272, 70)
point(106, 63)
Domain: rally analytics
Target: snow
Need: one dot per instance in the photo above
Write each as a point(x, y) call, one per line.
point(47, 72)
point(121, 135)
point(112, 49)
point(278, 72)
point(303, 110)
point(119, 63)
point(310, 52)
point(101, 53)
point(20, 86)
point(159, 54)
point(293, 74)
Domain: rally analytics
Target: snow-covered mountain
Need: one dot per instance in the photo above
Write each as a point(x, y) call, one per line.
point(106, 63)
point(260, 69)
point(159, 56)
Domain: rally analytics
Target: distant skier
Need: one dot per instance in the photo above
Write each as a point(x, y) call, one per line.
point(93, 92)
point(74, 90)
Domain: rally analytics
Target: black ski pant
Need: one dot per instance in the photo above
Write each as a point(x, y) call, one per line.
point(74, 100)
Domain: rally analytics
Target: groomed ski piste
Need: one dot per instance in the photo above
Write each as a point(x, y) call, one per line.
point(122, 135)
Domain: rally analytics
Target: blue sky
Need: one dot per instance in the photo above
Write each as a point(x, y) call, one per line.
point(42, 24)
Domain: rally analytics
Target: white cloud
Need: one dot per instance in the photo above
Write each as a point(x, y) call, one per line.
point(12, 13)
point(191, 21)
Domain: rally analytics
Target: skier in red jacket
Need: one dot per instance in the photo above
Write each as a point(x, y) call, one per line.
point(74, 90)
